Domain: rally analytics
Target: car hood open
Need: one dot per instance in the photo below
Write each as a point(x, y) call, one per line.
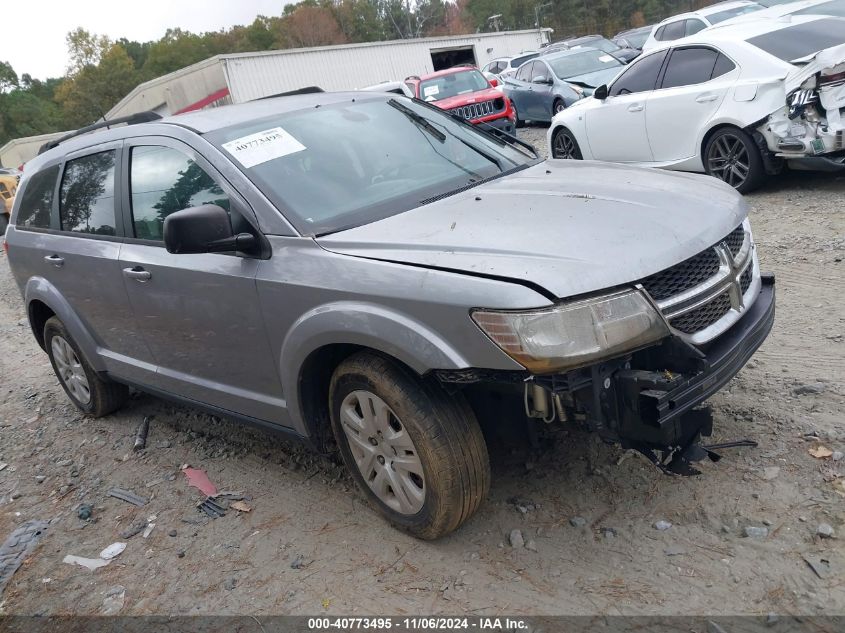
point(597, 78)
point(569, 227)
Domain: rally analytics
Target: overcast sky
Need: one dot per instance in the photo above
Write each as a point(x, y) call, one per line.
point(32, 38)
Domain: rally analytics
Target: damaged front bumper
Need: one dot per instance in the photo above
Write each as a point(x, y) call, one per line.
point(648, 400)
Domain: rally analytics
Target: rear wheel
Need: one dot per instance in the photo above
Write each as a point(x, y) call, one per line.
point(564, 145)
point(416, 452)
point(90, 393)
point(4, 222)
point(732, 156)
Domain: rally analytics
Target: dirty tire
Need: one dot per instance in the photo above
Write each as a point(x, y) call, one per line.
point(558, 106)
point(105, 396)
point(519, 123)
point(747, 173)
point(4, 222)
point(445, 435)
point(565, 146)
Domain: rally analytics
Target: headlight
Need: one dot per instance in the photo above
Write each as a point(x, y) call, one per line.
point(574, 334)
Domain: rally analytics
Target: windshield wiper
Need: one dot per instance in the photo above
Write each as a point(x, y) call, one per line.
point(420, 120)
point(500, 136)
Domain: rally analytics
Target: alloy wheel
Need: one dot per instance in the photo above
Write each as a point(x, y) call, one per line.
point(728, 160)
point(70, 370)
point(383, 451)
point(564, 147)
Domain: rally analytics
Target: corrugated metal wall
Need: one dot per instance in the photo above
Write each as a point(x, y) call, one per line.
point(254, 75)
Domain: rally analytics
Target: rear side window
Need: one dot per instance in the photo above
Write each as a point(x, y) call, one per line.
point(688, 66)
point(694, 26)
point(37, 201)
point(723, 66)
point(86, 200)
point(641, 76)
point(162, 181)
point(672, 31)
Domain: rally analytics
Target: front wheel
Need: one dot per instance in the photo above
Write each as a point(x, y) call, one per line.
point(558, 106)
point(565, 146)
point(415, 451)
point(732, 156)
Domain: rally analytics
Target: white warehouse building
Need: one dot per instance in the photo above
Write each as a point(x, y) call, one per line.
point(241, 77)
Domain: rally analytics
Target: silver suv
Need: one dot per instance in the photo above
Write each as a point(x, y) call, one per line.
point(363, 269)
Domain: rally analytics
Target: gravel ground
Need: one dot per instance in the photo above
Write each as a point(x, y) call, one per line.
point(739, 540)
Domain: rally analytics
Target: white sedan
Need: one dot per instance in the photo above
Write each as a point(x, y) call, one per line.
point(737, 102)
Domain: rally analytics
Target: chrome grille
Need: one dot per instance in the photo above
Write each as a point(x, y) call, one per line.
point(476, 110)
point(735, 240)
point(683, 276)
point(745, 280)
point(703, 317)
point(704, 289)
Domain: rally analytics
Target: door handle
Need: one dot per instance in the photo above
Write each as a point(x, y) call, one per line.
point(706, 98)
point(137, 273)
point(57, 261)
point(635, 107)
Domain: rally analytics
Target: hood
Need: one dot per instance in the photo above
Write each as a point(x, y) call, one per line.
point(829, 59)
point(597, 78)
point(466, 99)
point(570, 227)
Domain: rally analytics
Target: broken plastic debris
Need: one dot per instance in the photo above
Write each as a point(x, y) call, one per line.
point(88, 563)
point(126, 495)
point(240, 506)
point(112, 550)
point(212, 508)
point(821, 452)
point(148, 531)
point(198, 479)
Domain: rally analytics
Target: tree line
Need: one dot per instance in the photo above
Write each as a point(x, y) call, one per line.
point(102, 71)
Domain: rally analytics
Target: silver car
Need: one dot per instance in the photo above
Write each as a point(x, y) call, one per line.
point(364, 270)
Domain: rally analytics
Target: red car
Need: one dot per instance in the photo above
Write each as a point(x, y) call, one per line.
point(466, 92)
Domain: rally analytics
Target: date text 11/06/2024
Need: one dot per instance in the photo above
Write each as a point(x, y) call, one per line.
point(418, 624)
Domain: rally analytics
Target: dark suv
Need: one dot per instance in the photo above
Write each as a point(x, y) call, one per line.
point(363, 269)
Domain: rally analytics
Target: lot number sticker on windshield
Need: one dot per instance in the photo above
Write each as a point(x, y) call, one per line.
point(606, 59)
point(430, 91)
point(260, 147)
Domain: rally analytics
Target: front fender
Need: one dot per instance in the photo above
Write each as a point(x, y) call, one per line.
point(574, 119)
point(368, 325)
point(39, 289)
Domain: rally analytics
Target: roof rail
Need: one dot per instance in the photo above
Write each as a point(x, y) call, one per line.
point(308, 90)
point(132, 119)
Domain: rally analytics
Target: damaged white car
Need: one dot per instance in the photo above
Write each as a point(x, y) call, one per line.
point(738, 102)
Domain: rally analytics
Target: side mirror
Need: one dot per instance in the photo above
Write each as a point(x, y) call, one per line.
point(494, 82)
point(542, 79)
point(600, 93)
point(203, 229)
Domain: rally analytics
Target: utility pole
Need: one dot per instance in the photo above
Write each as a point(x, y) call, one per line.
point(537, 10)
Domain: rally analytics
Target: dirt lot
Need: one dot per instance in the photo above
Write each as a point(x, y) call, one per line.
point(310, 544)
